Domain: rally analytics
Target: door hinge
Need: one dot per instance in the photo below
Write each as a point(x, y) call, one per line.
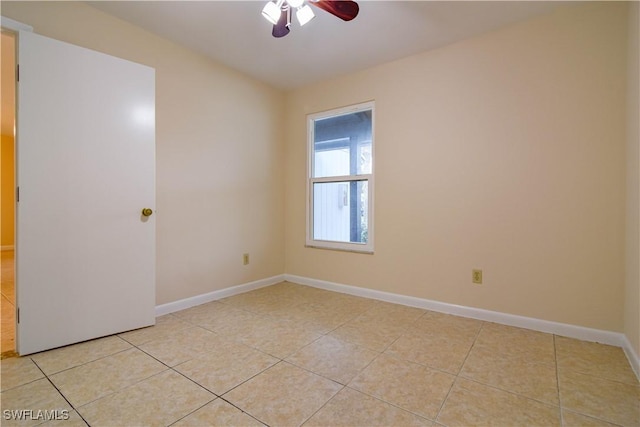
point(18, 315)
point(17, 194)
point(18, 72)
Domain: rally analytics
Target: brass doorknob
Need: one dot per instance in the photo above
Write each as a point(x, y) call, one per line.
point(147, 212)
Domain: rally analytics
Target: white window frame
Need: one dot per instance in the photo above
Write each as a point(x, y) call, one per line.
point(340, 245)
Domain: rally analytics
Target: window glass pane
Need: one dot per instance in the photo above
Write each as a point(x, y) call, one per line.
point(340, 211)
point(331, 162)
point(342, 145)
point(364, 158)
point(341, 168)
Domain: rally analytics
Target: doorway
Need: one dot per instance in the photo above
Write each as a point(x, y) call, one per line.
point(67, 290)
point(7, 193)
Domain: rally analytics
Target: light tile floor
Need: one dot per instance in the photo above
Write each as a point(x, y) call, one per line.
point(290, 355)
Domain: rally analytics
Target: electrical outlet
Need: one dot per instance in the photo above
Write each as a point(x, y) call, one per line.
point(245, 259)
point(476, 276)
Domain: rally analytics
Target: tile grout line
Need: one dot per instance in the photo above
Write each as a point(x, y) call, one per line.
point(216, 396)
point(221, 396)
point(444, 401)
point(192, 412)
point(395, 405)
point(243, 382)
point(555, 359)
point(283, 360)
point(473, 344)
point(60, 393)
point(506, 390)
point(601, 378)
point(169, 368)
point(587, 374)
point(87, 362)
point(242, 410)
point(383, 353)
point(555, 352)
point(456, 376)
point(113, 393)
point(324, 404)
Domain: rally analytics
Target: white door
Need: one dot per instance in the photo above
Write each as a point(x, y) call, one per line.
point(85, 165)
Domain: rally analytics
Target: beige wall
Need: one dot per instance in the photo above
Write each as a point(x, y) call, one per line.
point(7, 191)
point(632, 294)
point(7, 102)
point(7, 83)
point(505, 152)
point(219, 181)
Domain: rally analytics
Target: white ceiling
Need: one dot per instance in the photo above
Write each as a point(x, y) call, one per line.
point(235, 33)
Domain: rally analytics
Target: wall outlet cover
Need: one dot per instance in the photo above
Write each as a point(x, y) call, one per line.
point(476, 276)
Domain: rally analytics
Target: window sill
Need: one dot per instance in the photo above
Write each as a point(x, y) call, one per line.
point(340, 249)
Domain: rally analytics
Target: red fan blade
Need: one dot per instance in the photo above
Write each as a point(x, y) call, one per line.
point(281, 29)
point(343, 9)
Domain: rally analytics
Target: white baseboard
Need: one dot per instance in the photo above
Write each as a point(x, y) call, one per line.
point(572, 331)
point(634, 358)
point(6, 248)
point(182, 304)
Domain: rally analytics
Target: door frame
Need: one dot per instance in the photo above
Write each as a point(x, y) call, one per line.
point(14, 27)
point(139, 320)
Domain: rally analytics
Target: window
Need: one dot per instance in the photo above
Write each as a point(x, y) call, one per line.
point(340, 201)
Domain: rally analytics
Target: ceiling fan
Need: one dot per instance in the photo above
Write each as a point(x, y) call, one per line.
point(278, 12)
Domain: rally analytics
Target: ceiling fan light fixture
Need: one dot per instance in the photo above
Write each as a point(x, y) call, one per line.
point(295, 3)
point(279, 12)
point(272, 11)
point(304, 14)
